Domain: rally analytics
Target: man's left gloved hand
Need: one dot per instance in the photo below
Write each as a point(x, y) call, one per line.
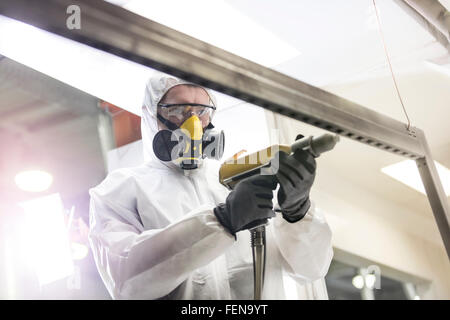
point(296, 175)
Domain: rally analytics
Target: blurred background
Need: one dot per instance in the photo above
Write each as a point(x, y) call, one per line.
point(69, 114)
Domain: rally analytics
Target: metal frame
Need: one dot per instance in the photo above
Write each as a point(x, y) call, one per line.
point(125, 34)
point(434, 20)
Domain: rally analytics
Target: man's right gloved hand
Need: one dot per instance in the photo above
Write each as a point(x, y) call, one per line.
point(296, 176)
point(248, 205)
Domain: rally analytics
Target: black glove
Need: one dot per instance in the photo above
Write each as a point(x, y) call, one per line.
point(248, 205)
point(296, 175)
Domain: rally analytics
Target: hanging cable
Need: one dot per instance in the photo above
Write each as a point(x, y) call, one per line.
point(390, 65)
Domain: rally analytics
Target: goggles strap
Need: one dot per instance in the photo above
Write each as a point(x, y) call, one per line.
point(169, 124)
point(172, 126)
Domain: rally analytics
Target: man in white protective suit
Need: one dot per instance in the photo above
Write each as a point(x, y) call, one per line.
point(169, 230)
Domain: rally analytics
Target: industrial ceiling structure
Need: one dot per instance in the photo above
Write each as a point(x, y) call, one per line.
point(346, 59)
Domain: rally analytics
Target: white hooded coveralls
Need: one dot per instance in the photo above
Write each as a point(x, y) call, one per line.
point(154, 234)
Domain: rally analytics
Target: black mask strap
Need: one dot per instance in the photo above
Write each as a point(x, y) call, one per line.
point(170, 125)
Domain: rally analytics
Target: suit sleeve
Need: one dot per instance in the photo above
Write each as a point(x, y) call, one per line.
point(135, 263)
point(305, 245)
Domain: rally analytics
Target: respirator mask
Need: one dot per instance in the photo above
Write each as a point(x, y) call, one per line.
point(189, 143)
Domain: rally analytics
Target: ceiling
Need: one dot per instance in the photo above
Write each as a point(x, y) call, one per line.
point(339, 49)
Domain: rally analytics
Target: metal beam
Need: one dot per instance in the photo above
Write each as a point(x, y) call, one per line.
point(435, 12)
point(435, 191)
point(432, 16)
point(123, 33)
point(118, 31)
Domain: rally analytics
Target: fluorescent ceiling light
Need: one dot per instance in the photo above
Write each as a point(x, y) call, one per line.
point(122, 82)
point(34, 180)
point(103, 75)
point(45, 240)
point(219, 24)
point(443, 69)
point(406, 172)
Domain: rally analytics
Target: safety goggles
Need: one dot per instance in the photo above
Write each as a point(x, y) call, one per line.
point(186, 110)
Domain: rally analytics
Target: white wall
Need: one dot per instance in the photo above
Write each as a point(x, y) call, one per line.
point(360, 230)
